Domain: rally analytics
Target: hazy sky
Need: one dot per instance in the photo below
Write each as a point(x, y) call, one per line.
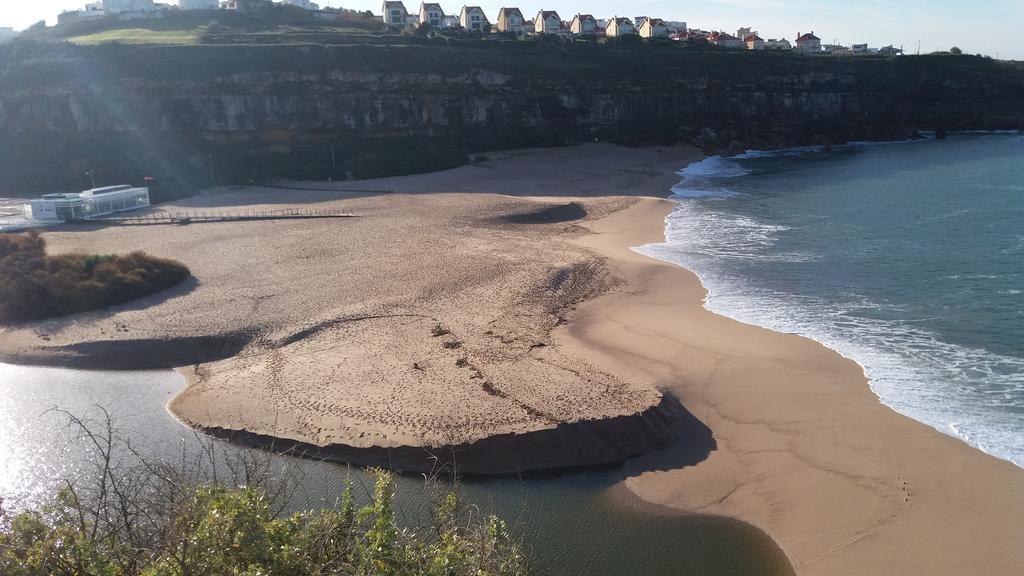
point(979, 26)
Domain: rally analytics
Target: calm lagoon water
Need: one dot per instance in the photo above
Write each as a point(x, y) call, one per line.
point(906, 257)
point(574, 523)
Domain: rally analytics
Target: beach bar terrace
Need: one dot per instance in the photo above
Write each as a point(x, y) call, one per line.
point(90, 204)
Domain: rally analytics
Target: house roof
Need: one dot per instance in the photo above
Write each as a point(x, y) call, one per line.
point(655, 21)
point(585, 18)
point(472, 9)
point(620, 21)
point(389, 5)
point(431, 5)
point(545, 14)
point(506, 12)
point(807, 37)
point(752, 38)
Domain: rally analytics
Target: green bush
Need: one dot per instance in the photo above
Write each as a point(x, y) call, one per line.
point(222, 513)
point(34, 285)
point(219, 531)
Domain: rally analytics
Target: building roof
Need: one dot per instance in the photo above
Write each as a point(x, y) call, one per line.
point(585, 18)
point(620, 21)
point(656, 21)
point(807, 37)
point(430, 5)
point(545, 14)
point(472, 8)
point(506, 12)
point(394, 4)
point(752, 38)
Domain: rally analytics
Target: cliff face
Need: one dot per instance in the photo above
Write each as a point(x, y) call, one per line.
point(316, 111)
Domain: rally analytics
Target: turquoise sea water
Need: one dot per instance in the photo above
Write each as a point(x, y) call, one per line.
point(906, 257)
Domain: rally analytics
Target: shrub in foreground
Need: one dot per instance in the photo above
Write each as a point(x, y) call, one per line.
point(221, 531)
point(34, 285)
point(142, 518)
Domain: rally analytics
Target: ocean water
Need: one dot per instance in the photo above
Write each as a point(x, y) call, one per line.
point(905, 257)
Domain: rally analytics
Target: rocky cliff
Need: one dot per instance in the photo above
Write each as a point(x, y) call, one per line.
point(234, 113)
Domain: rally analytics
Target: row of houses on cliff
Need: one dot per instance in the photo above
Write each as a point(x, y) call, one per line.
point(396, 16)
point(547, 22)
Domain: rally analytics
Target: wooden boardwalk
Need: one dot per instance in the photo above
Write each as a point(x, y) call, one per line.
point(198, 217)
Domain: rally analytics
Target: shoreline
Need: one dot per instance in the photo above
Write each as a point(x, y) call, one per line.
point(805, 450)
point(901, 377)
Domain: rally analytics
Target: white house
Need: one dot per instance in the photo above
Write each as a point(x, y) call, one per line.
point(395, 15)
point(547, 22)
point(89, 204)
point(198, 4)
point(472, 18)
point(619, 27)
point(859, 48)
point(583, 24)
point(431, 13)
point(511, 20)
point(118, 6)
point(653, 28)
point(754, 42)
point(7, 34)
point(808, 43)
point(774, 44)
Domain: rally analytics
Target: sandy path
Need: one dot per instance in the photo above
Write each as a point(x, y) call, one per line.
point(805, 451)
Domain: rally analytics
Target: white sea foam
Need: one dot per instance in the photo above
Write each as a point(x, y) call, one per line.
point(965, 392)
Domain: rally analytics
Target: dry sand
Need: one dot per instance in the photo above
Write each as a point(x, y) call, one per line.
point(325, 333)
point(423, 323)
point(804, 451)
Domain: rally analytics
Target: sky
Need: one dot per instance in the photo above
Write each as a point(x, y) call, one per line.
point(988, 27)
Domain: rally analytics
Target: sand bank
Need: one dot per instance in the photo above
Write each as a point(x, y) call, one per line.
point(423, 323)
point(804, 450)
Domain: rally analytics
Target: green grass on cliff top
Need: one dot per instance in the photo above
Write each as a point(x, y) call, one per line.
point(142, 36)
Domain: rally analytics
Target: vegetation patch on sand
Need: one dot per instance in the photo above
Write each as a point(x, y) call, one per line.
point(34, 285)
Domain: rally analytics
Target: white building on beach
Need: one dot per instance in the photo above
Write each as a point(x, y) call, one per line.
point(89, 204)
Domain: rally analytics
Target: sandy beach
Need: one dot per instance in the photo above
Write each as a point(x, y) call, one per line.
point(804, 450)
point(502, 301)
